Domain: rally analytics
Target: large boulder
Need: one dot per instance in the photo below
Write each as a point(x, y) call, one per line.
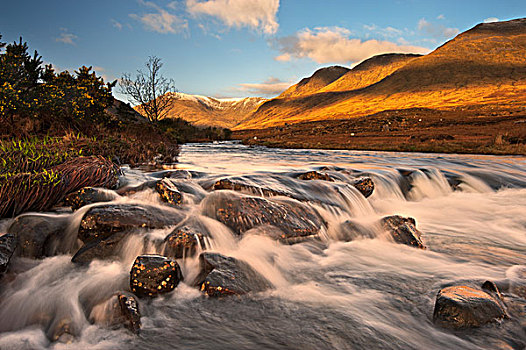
point(103, 221)
point(221, 276)
point(464, 307)
point(152, 275)
point(169, 192)
point(89, 195)
point(7, 248)
point(38, 235)
point(186, 239)
point(241, 213)
point(403, 230)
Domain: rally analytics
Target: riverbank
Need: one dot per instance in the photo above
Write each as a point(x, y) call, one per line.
point(471, 130)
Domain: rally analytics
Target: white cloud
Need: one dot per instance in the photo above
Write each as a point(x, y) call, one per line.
point(441, 17)
point(161, 21)
point(270, 87)
point(436, 30)
point(333, 45)
point(116, 24)
point(66, 38)
point(491, 20)
point(259, 15)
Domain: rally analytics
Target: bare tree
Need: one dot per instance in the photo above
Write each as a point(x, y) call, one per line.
point(150, 90)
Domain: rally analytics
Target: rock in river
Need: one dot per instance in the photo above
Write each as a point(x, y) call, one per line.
point(463, 307)
point(104, 220)
point(169, 192)
point(365, 185)
point(38, 235)
point(122, 309)
point(241, 213)
point(7, 247)
point(221, 276)
point(152, 275)
point(314, 175)
point(185, 239)
point(89, 195)
point(403, 230)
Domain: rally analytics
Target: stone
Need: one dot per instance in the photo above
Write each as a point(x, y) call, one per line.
point(100, 248)
point(185, 240)
point(169, 192)
point(314, 175)
point(461, 307)
point(403, 230)
point(365, 185)
point(89, 195)
point(7, 248)
point(222, 276)
point(38, 235)
point(105, 220)
point(152, 275)
point(241, 213)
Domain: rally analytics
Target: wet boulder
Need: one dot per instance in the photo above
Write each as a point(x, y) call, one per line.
point(89, 195)
point(241, 213)
point(122, 309)
point(403, 230)
point(102, 221)
point(38, 235)
point(169, 192)
point(62, 330)
point(222, 276)
point(100, 248)
point(314, 175)
point(460, 307)
point(249, 185)
point(152, 275)
point(7, 248)
point(185, 239)
point(365, 185)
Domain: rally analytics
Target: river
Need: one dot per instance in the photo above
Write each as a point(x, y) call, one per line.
point(367, 293)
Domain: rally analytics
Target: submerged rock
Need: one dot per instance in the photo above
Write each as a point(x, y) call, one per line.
point(247, 185)
point(152, 275)
point(62, 330)
point(38, 235)
point(242, 213)
point(185, 239)
point(100, 248)
point(403, 230)
point(7, 248)
point(314, 175)
point(89, 195)
point(102, 221)
point(221, 276)
point(122, 309)
point(365, 185)
point(463, 307)
point(169, 192)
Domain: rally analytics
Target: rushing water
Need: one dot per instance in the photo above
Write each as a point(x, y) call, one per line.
point(368, 293)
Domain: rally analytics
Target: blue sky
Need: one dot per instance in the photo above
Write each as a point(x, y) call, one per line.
point(237, 48)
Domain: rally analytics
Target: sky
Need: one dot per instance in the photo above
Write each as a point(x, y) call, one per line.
point(237, 48)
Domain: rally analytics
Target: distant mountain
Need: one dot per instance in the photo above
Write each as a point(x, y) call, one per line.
point(320, 79)
point(485, 65)
point(209, 111)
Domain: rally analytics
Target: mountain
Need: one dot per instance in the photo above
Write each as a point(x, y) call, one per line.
point(321, 78)
point(209, 111)
point(483, 66)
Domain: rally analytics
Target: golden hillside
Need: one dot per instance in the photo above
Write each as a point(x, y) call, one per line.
point(321, 78)
point(209, 111)
point(484, 65)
